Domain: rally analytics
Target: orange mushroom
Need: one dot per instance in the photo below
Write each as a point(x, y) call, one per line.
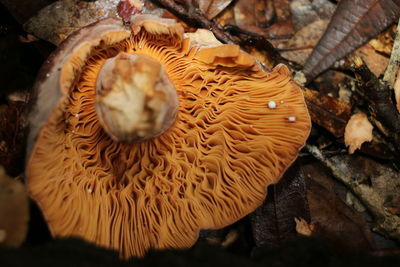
point(141, 136)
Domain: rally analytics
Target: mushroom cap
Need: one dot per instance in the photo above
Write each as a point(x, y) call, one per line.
point(208, 170)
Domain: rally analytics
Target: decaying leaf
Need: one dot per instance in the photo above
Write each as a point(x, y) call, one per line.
point(283, 26)
point(299, 47)
point(328, 112)
point(273, 222)
point(358, 130)
point(375, 61)
point(383, 43)
point(211, 8)
point(253, 15)
point(354, 23)
point(56, 21)
point(344, 228)
point(305, 12)
point(14, 211)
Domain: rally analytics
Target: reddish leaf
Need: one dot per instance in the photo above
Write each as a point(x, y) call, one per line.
point(354, 23)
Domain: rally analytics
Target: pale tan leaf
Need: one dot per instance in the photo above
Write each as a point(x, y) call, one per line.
point(358, 130)
point(303, 227)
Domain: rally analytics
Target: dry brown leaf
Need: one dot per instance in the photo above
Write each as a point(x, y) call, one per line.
point(327, 111)
point(358, 130)
point(375, 61)
point(211, 8)
point(300, 46)
point(305, 12)
point(14, 211)
point(345, 228)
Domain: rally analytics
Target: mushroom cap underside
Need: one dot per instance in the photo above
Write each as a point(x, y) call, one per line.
point(208, 170)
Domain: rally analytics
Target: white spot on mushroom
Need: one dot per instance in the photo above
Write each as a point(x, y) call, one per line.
point(77, 115)
point(272, 104)
point(73, 131)
point(47, 74)
point(292, 118)
point(66, 121)
point(140, 46)
point(90, 190)
point(282, 101)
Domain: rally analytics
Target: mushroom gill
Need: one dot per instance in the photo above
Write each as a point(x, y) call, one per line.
point(206, 171)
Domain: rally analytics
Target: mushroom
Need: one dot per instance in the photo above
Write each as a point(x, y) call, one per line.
point(143, 135)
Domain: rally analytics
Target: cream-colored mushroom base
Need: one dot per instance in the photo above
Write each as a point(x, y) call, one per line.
point(207, 171)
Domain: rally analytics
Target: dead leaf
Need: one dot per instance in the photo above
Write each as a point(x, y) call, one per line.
point(299, 47)
point(358, 130)
point(282, 10)
point(252, 15)
point(375, 61)
point(354, 23)
point(344, 228)
point(273, 222)
point(211, 8)
point(57, 21)
point(328, 112)
point(305, 12)
point(383, 43)
point(14, 211)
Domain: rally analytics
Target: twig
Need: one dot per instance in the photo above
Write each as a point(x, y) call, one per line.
point(394, 62)
point(193, 14)
point(387, 223)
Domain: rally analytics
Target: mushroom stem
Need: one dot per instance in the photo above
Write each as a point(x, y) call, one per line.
point(135, 99)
